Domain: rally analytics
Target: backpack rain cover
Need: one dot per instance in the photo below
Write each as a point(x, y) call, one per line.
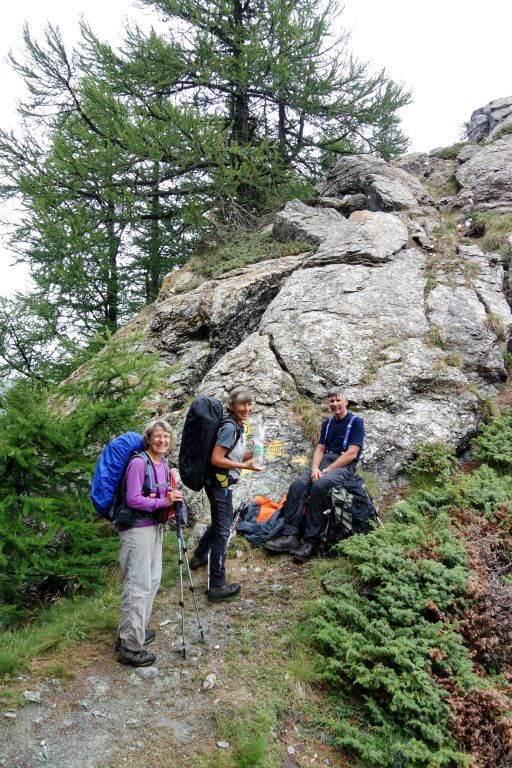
point(109, 470)
point(198, 439)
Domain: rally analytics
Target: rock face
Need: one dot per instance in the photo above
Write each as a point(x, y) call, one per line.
point(486, 178)
point(487, 120)
point(414, 335)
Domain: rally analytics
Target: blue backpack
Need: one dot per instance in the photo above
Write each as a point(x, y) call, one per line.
point(109, 472)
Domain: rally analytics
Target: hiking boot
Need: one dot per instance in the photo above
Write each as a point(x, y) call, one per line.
point(197, 562)
point(135, 658)
point(304, 552)
point(150, 636)
point(282, 544)
point(223, 593)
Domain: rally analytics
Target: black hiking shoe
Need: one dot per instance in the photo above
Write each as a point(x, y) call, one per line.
point(223, 593)
point(150, 636)
point(197, 562)
point(282, 544)
point(135, 658)
point(304, 552)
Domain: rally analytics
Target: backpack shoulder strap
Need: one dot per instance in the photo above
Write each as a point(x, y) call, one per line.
point(148, 479)
point(239, 429)
point(327, 429)
point(347, 433)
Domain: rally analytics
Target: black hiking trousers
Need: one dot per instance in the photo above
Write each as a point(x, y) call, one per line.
point(216, 536)
point(319, 499)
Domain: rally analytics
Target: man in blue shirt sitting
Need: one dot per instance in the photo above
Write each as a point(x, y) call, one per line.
point(334, 462)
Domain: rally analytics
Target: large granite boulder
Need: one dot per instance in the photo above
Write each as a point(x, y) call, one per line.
point(414, 337)
point(382, 186)
point(487, 121)
point(486, 179)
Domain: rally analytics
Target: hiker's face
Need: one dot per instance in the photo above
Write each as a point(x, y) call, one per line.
point(338, 405)
point(242, 411)
point(159, 441)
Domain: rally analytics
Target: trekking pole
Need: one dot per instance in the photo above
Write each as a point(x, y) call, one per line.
point(183, 557)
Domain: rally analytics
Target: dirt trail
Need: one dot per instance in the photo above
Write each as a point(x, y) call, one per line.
point(107, 716)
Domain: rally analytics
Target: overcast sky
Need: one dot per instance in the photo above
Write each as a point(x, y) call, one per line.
point(453, 55)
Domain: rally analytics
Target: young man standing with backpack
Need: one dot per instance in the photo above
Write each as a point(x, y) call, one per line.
point(334, 462)
point(229, 456)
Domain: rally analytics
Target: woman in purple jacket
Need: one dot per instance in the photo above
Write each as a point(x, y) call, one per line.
point(147, 507)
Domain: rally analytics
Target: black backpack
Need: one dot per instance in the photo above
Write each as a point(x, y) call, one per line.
point(352, 511)
point(202, 423)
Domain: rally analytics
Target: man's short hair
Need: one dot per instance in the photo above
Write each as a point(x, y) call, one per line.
point(239, 395)
point(336, 392)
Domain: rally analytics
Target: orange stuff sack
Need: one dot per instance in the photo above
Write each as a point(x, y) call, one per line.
point(267, 507)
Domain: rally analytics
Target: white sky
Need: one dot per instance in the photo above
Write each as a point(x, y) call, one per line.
point(453, 55)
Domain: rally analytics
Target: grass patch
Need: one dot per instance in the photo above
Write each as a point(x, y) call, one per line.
point(451, 152)
point(246, 248)
point(434, 337)
point(448, 189)
point(497, 325)
point(310, 415)
point(248, 729)
point(471, 271)
point(454, 359)
point(503, 131)
point(492, 230)
point(62, 624)
point(447, 240)
point(72, 620)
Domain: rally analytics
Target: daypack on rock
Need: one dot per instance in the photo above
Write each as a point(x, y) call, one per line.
point(352, 511)
point(109, 471)
point(202, 423)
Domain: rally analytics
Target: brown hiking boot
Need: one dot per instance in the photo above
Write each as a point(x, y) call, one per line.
point(223, 593)
point(304, 552)
point(135, 658)
point(197, 562)
point(282, 544)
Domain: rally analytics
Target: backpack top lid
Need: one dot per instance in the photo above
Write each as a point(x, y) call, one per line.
point(198, 439)
point(109, 470)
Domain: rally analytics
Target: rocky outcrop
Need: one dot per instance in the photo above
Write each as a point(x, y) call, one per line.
point(486, 179)
point(377, 185)
point(487, 121)
point(414, 335)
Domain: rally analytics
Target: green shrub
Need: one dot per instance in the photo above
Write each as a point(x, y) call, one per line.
point(451, 152)
point(432, 463)
point(484, 491)
point(51, 542)
point(248, 248)
point(386, 634)
point(494, 445)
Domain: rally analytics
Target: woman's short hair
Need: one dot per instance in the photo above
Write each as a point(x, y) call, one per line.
point(336, 392)
point(239, 395)
point(153, 424)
